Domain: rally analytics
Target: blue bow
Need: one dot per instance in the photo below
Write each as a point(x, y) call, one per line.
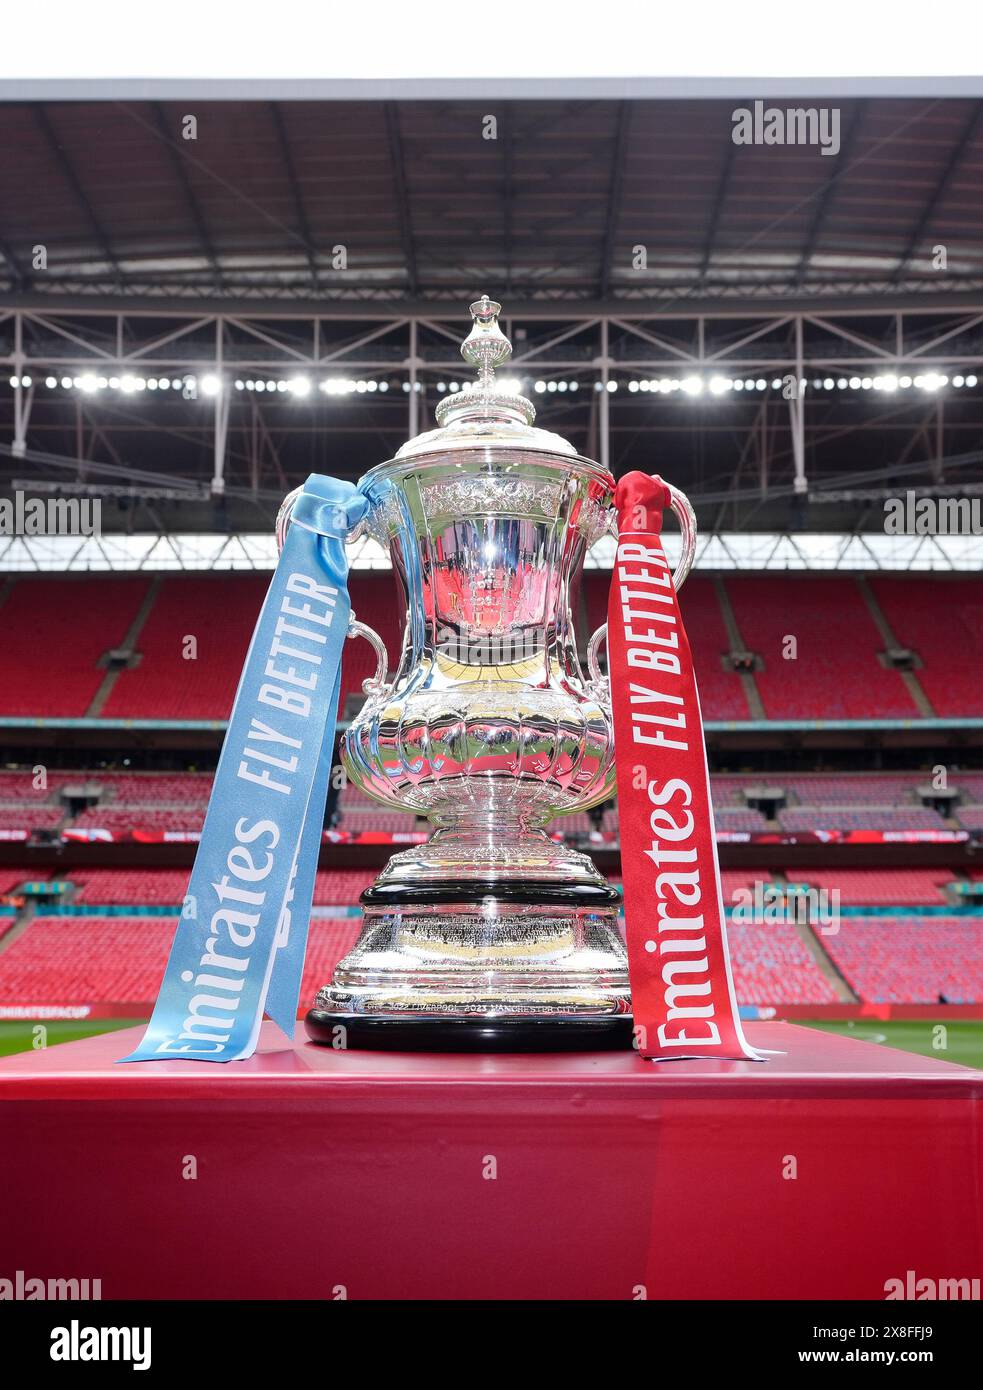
point(240, 943)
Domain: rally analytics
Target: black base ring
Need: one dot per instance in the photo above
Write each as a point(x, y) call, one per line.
point(522, 892)
point(470, 1034)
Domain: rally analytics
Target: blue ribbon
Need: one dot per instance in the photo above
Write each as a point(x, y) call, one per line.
point(239, 946)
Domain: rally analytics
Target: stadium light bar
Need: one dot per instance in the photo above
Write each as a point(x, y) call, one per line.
point(301, 387)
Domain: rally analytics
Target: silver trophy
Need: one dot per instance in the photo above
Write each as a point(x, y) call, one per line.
point(492, 934)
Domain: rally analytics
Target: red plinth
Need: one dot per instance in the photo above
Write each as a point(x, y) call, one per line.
point(579, 1176)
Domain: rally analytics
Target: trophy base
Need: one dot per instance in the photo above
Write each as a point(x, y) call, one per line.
point(469, 1034)
point(512, 945)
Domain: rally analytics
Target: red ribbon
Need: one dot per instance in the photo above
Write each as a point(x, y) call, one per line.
point(681, 986)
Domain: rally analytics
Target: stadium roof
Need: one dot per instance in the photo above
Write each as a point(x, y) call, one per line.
point(427, 205)
point(631, 242)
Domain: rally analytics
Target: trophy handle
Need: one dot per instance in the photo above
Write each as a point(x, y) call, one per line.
point(375, 685)
point(686, 516)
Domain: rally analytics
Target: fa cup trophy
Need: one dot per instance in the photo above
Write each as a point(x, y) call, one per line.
point(491, 934)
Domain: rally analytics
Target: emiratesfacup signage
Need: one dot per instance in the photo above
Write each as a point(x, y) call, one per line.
point(682, 992)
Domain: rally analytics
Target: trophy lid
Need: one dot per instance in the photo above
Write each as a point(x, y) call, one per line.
point(485, 413)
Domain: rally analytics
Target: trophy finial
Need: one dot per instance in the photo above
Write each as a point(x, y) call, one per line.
point(486, 346)
point(486, 400)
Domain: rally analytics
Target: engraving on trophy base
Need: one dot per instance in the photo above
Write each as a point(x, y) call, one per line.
point(466, 959)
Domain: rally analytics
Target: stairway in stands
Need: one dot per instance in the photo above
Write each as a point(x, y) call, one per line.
point(890, 641)
point(129, 643)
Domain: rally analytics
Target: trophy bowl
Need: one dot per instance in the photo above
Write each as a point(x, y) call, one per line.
point(492, 934)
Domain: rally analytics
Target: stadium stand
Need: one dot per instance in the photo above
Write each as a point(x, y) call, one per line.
point(341, 887)
point(738, 818)
point(18, 787)
point(855, 789)
point(721, 692)
point(219, 611)
point(118, 818)
point(155, 788)
point(850, 818)
point(727, 788)
point(734, 880)
point(878, 887)
point(84, 616)
point(373, 601)
point(78, 960)
point(394, 822)
point(129, 887)
point(53, 632)
point(114, 960)
point(772, 965)
point(835, 674)
point(327, 942)
point(918, 960)
point(13, 878)
point(941, 620)
point(29, 817)
point(119, 959)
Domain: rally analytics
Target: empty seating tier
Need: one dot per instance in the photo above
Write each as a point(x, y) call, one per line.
point(941, 620)
point(915, 961)
point(819, 645)
point(53, 632)
point(878, 887)
point(86, 960)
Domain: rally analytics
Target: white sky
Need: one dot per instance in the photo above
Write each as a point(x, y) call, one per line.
point(385, 40)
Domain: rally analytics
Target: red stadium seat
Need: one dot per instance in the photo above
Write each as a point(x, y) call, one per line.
point(850, 818)
point(771, 965)
point(878, 887)
point(130, 887)
point(835, 673)
point(721, 691)
point(53, 631)
point(941, 620)
point(219, 611)
point(87, 960)
point(918, 960)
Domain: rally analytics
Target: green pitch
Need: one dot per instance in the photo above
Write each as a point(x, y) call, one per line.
point(18, 1035)
point(963, 1037)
